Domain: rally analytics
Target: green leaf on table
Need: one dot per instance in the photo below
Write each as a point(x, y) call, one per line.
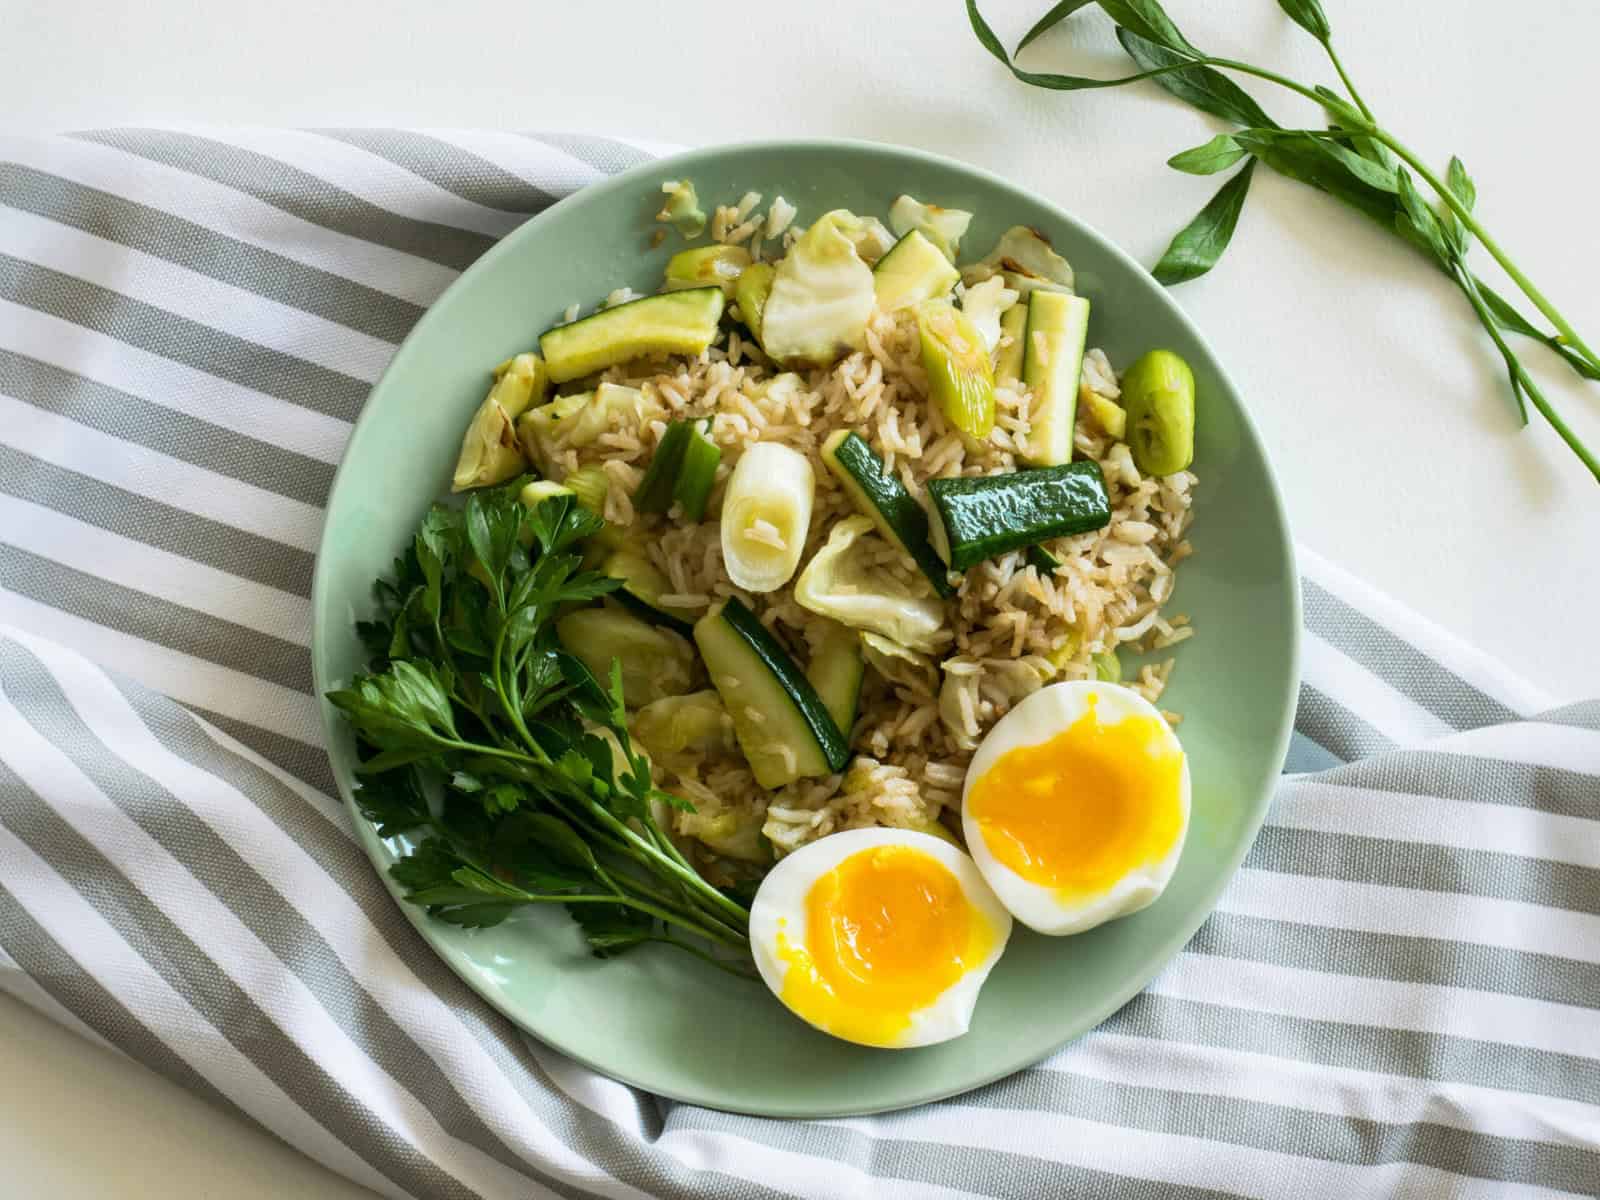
point(1197, 246)
point(1050, 20)
point(1507, 317)
point(1309, 16)
point(1148, 20)
point(1199, 86)
point(1044, 79)
point(1327, 166)
point(1420, 225)
point(1464, 190)
point(1220, 153)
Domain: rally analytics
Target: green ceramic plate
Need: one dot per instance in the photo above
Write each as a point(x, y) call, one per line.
point(656, 1018)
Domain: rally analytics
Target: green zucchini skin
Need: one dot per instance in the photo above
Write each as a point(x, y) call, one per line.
point(738, 650)
point(878, 494)
point(668, 323)
point(1041, 560)
point(984, 516)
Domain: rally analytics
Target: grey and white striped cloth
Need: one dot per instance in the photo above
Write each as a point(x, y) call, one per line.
point(1398, 996)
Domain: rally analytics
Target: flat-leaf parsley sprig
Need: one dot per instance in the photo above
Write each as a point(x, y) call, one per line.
point(1355, 159)
point(507, 761)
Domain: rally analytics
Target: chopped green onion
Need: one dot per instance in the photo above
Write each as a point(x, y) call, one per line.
point(654, 493)
point(697, 470)
point(1041, 560)
point(1108, 667)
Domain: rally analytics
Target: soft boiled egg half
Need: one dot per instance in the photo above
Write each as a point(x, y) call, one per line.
point(878, 936)
point(1076, 806)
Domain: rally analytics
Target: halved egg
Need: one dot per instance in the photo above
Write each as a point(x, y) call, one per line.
point(1076, 806)
point(878, 936)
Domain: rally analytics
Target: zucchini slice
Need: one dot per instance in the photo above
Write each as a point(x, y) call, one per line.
point(643, 585)
point(655, 662)
point(784, 729)
point(881, 496)
point(707, 266)
point(979, 516)
point(914, 270)
point(1008, 358)
point(836, 670)
point(1052, 358)
point(672, 323)
point(750, 294)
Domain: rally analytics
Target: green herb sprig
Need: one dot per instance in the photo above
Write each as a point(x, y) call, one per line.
point(503, 757)
point(1355, 160)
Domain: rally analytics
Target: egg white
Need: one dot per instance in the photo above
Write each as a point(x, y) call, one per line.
point(1038, 718)
point(780, 905)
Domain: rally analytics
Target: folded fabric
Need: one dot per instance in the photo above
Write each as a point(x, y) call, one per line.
point(1399, 994)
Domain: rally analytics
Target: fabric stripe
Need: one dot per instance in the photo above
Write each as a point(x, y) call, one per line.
point(1392, 713)
point(193, 296)
point(449, 167)
point(17, 982)
point(300, 193)
point(1398, 663)
point(156, 476)
point(1475, 780)
point(1417, 1053)
point(64, 913)
point(84, 855)
point(200, 248)
point(243, 217)
point(174, 530)
point(286, 711)
point(1557, 979)
point(201, 347)
point(167, 382)
point(186, 630)
point(260, 907)
point(1290, 1131)
point(130, 418)
point(1336, 728)
point(89, 551)
point(1408, 912)
point(1433, 868)
point(606, 155)
point(309, 764)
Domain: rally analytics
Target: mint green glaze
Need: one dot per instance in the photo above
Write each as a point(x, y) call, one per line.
point(658, 1019)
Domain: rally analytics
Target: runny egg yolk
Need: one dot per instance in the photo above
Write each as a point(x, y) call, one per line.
point(1078, 812)
point(888, 931)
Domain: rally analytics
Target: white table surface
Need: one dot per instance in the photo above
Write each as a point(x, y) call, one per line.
point(1392, 430)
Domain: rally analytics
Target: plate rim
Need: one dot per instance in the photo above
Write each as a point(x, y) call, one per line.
point(679, 161)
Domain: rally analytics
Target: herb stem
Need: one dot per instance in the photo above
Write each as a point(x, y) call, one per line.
point(1469, 222)
point(1520, 376)
point(1349, 87)
point(718, 963)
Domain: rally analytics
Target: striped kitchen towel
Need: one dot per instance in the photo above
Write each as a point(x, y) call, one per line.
point(1399, 995)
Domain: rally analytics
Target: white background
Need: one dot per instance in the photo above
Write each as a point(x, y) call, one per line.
point(1390, 424)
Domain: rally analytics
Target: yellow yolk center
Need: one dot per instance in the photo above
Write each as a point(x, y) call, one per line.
point(1078, 812)
point(889, 930)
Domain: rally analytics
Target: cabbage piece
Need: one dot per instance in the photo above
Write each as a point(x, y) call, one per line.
point(944, 227)
point(731, 832)
point(821, 298)
point(1004, 681)
point(905, 668)
point(983, 303)
point(868, 235)
point(677, 725)
point(571, 422)
point(846, 580)
point(1024, 259)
